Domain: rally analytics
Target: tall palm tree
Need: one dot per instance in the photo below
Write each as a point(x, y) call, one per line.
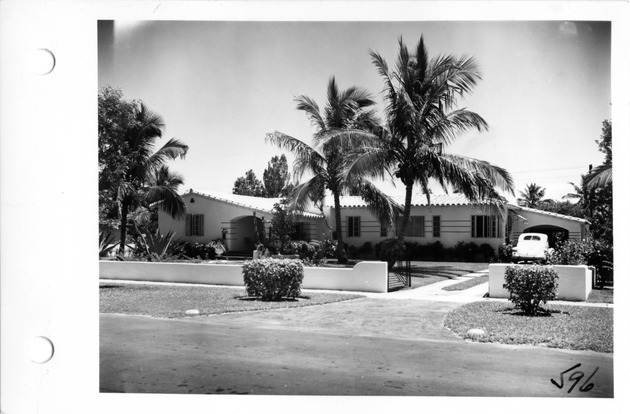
point(325, 160)
point(421, 94)
point(146, 181)
point(532, 197)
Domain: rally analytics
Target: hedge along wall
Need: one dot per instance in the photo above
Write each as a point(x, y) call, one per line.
point(364, 277)
point(574, 282)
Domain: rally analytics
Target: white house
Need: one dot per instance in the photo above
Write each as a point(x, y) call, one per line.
point(241, 220)
point(451, 218)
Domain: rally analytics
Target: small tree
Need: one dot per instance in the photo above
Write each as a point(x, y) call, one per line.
point(282, 224)
point(529, 286)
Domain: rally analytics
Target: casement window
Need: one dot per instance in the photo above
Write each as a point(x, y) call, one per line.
point(484, 226)
point(415, 228)
point(194, 224)
point(436, 226)
point(354, 226)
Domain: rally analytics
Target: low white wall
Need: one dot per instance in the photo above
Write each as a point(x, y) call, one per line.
point(574, 282)
point(364, 277)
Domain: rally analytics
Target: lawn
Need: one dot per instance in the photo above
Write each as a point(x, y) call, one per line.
point(467, 284)
point(172, 301)
point(601, 296)
point(568, 327)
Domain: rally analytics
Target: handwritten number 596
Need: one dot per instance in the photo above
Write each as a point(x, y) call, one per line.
point(576, 377)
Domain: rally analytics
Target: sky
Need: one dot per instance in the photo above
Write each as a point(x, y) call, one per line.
point(221, 86)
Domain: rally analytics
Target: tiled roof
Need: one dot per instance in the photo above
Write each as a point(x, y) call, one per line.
point(416, 200)
point(548, 213)
point(256, 203)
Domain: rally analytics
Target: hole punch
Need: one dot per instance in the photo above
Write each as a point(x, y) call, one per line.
point(41, 349)
point(42, 61)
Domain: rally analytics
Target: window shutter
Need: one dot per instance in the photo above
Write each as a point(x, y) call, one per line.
point(188, 224)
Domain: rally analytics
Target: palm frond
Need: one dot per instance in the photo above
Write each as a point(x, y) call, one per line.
point(600, 176)
point(382, 206)
point(166, 199)
point(173, 149)
point(303, 194)
point(310, 107)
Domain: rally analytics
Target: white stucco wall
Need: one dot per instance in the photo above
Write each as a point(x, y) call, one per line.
point(454, 225)
point(364, 277)
point(238, 220)
point(574, 282)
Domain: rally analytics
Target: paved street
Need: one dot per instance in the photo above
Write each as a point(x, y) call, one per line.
point(368, 346)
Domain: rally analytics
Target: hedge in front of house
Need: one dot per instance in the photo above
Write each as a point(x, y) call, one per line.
point(273, 279)
point(529, 286)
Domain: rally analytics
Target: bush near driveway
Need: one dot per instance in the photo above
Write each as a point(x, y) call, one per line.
point(567, 327)
point(529, 286)
point(273, 279)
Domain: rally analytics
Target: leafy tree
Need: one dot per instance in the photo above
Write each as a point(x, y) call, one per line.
point(532, 197)
point(276, 177)
point(326, 159)
point(128, 131)
point(421, 95)
point(282, 224)
point(248, 185)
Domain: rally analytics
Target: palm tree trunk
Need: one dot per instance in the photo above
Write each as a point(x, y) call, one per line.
point(341, 252)
point(402, 232)
point(123, 227)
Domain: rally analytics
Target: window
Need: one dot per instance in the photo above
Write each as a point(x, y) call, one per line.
point(384, 228)
point(354, 226)
point(194, 224)
point(436, 226)
point(415, 228)
point(484, 226)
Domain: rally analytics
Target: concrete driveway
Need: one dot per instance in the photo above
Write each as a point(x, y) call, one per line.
point(370, 346)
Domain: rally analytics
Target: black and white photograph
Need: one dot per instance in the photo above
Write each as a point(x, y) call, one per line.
point(316, 206)
point(356, 208)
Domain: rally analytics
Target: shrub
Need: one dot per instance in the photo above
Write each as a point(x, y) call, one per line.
point(505, 253)
point(273, 279)
point(181, 249)
point(529, 286)
point(311, 253)
point(390, 251)
point(365, 250)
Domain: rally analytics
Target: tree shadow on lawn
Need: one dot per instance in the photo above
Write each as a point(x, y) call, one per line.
point(542, 312)
point(246, 298)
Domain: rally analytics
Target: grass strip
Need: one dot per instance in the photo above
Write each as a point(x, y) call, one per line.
point(467, 284)
point(172, 301)
point(567, 327)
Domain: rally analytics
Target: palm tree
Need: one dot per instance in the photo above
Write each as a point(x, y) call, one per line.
point(583, 194)
point(532, 197)
point(325, 160)
point(148, 180)
point(421, 119)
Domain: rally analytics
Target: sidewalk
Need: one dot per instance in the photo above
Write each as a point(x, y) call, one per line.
point(435, 292)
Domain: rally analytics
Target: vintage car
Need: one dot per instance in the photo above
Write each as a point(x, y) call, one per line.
point(531, 247)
